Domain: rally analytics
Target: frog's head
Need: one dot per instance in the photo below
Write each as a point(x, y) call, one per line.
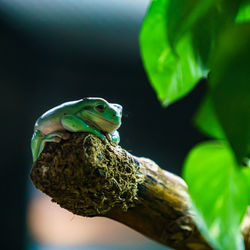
point(101, 114)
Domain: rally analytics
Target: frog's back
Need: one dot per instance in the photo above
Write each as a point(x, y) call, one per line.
point(50, 121)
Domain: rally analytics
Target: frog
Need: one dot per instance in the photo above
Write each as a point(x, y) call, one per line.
point(91, 114)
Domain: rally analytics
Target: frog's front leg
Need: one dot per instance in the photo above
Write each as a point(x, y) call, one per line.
point(39, 139)
point(74, 124)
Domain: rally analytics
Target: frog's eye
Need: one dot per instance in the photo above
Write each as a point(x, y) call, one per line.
point(100, 108)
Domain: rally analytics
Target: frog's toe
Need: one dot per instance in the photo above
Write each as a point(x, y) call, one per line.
point(56, 139)
point(63, 135)
point(115, 137)
point(66, 136)
point(57, 136)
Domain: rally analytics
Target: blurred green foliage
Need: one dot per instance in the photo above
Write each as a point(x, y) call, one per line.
point(206, 120)
point(182, 41)
point(218, 187)
point(230, 87)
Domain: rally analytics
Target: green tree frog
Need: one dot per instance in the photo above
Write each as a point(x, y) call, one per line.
point(94, 115)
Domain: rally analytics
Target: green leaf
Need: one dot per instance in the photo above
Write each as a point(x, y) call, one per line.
point(206, 120)
point(205, 19)
point(219, 193)
point(171, 76)
point(243, 14)
point(230, 87)
point(182, 15)
point(205, 28)
point(246, 173)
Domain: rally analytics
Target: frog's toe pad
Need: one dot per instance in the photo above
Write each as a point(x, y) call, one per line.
point(57, 139)
point(65, 135)
point(57, 136)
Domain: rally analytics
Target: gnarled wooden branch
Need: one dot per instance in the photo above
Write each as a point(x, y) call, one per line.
point(90, 178)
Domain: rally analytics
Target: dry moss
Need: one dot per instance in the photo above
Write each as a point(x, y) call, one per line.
point(85, 176)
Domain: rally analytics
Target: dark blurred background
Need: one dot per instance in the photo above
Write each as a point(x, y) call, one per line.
point(56, 51)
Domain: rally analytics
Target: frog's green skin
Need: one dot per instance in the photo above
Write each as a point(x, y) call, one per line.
point(94, 115)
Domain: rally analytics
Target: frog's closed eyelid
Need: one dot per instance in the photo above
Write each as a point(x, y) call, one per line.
point(100, 108)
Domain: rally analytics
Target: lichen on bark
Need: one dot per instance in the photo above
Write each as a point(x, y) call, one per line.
point(84, 175)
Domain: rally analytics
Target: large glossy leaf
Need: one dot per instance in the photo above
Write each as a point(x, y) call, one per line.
point(182, 15)
point(205, 19)
point(171, 76)
point(219, 193)
point(206, 120)
point(230, 87)
point(203, 37)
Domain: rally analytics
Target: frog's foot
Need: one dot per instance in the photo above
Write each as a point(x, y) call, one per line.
point(35, 143)
point(39, 140)
point(114, 137)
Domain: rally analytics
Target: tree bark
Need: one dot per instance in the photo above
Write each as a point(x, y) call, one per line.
point(91, 178)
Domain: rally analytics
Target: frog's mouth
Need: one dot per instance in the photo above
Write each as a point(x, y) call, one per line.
point(103, 124)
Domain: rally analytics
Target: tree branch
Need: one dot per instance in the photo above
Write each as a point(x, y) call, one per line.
point(90, 178)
